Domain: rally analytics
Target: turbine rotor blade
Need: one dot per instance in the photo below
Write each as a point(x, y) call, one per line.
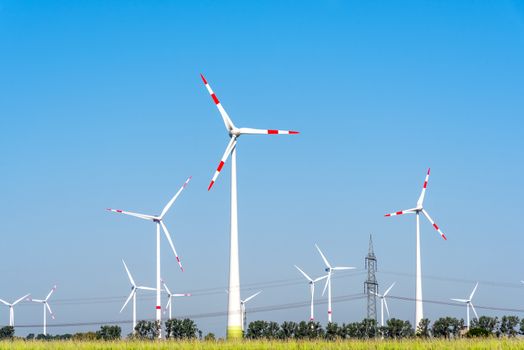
point(229, 148)
point(167, 305)
point(168, 236)
point(225, 117)
point(145, 288)
point(168, 205)
point(51, 292)
point(386, 305)
point(50, 311)
point(433, 223)
point(460, 300)
point(328, 280)
point(250, 131)
point(251, 297)
point(323, 257)
point(128, 298)
point(19, 300)
point(137, 215)
point(340, 268)
point(303, 273)
point(407, 211)
point(129, 274)
point(319, 278)
point(387, 290)
point(473, 292)
point(423, 193)
point(475, 311)
point(167, 289)
point(4, 302)
point(181, 295)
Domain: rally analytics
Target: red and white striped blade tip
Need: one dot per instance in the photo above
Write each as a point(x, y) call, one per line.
point(284, 132)
point(210, 185)
point(395, 213)
point(203, 79)
point(429, 170)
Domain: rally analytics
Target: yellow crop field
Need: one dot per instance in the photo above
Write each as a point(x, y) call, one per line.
point(276, 345)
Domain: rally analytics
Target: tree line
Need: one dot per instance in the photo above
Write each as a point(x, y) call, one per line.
point(186, 329)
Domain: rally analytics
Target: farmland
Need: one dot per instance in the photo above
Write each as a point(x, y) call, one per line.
point(491, 343)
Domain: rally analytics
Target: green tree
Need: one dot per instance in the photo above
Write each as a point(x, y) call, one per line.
point(367, 328)
point(309, 330)
point(87, 336)
point(332, 331)
point(288, 330)
point(210, 337)
point(7, 332)
point(352, 330)
point(256, 329)
point(109, 332)
point(398, 329)
point(508, 326)
point(181, 329)
point(147, 329)
point(477, 332)
point(423, 330)
point(447, 327)
point(489, 324)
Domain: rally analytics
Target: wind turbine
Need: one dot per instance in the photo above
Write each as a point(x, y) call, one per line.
point(11, 308)
point(468, 304)
point(383, 302)
point(46, 306)
point(419, 313)
point(330, 270)
point(170, 296)
point(234, 314)
point(158, 220)
point(134, 289)
point(243, 308)
point(312, 289)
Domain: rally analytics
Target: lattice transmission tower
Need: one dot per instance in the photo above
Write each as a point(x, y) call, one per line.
point(371, 284)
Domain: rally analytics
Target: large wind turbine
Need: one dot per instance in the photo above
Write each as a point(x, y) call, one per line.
point(419, 313)
point(330, 270)
point(46, 306)
point(134, 289)
point(158, 220)
point(469, 303)
point(170, 296)
point(234, 314)
point(243, 308)
point(11, 308)
point(312, 290)
point(383, 303)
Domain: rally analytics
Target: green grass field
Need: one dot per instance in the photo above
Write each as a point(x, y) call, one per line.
point(277, 345)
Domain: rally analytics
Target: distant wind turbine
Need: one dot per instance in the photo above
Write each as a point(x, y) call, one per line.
point(134, 289)
point(469, 304)
point(419, 313)
point(383, 303)
point(158, 220)
point(243, 308)
point(330, 270)
point(11, 308)
point(312, 290)
point(170, 296)
point(46, 307)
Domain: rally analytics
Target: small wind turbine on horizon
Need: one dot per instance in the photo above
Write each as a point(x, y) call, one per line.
point(158, 220)
point(383, 303)
point(419, 313)
point(170, 296)
point(330, 270)
point(46, 307)
point(312, 290)
point(243, 308)
point(11, 308)
point(134, 289)
point(234, 319)
point(469, 304)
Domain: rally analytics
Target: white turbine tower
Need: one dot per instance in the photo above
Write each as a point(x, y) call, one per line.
point(383, 303)
point(330, 270)
point(134, 289)
point(234, 314)
point(469, 303)
point(11, 308)
point(312, 290)
point(170, 296)
point(158, 220)
point(243, 308)
point(46, 306)
point(419, 313)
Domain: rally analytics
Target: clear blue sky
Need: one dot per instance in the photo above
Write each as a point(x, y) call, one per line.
point(102, 105)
